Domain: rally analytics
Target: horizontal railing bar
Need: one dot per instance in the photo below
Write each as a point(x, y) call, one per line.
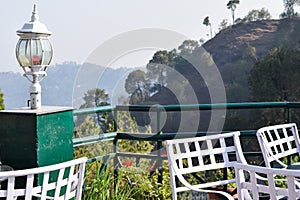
point(139, 155)
point(145, 136)
point(170, 136)
point(93, 110)
point(248, 105)
point(94, 138)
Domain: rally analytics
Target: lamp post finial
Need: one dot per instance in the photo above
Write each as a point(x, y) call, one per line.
point(35, 16)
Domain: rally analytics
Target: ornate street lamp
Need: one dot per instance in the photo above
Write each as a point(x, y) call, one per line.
point(34, 53)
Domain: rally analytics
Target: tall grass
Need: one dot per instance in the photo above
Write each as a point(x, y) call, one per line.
point(106, 187)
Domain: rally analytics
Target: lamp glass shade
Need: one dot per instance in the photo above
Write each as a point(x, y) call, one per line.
point(31, 52)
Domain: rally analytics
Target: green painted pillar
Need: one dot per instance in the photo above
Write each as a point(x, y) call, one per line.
point(35, 138)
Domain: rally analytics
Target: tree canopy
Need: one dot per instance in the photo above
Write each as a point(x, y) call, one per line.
point(289, 10)
point(95, 98)
point(255, 15)
point(187, 47)
point(273, 78)
point(232, 6)
point(159, 65)
point(135, 80)
point(206, 22)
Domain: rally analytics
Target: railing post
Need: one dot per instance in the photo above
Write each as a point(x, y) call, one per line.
point(159, 146)
point(289, 115)
point(115, 146)
point(116, 162)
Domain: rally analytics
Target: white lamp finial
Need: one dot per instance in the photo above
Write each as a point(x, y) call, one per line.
point(34, 16)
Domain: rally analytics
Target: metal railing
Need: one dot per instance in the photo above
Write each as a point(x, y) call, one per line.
point(157, 137)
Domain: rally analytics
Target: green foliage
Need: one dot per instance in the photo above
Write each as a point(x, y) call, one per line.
point(90, 128)
point(135, 80)
point(127, 124)
point(132, 182)
point(274, 78)
point(289, 10)
point(235, 76)
point(255, 15)
point(95, 98)
point(106, 187)
point(223, 24)
point(1, 100)
point(188, 46)
point(147, 187)
point(206, 22)
point(159, 65)
point(87, 128)
point(250, 53)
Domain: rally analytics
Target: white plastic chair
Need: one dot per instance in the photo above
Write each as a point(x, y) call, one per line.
point(201, 154)
point(252, 185)
point(277, 142)
point(67, 184)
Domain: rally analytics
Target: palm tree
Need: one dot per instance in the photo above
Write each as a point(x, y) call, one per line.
point(232, 6)
point(206, 22)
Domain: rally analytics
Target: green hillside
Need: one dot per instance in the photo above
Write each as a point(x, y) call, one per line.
point(237, 48)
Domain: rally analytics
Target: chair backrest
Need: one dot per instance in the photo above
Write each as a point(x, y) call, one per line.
point(261, 181)
point(277, 142)
point(198, 157)
point(59, 181)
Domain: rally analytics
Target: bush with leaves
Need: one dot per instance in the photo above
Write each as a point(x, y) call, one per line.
point(146, 186)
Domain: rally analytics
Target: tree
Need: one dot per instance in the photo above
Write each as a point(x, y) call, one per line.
point(135, 80)
point(255, 15)
point(232, 6)
point(289, 8)
point(206, 22)
point(96, 98)
point(158, 66)
point(250, 53)
point(187, 47)
point(223, 24)
point(264, 14)
point(1, 100)
point(274, 78)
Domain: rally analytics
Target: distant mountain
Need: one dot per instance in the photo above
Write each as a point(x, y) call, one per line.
point(58, 88)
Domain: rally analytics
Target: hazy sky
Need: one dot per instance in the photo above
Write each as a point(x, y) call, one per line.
point(81, 26)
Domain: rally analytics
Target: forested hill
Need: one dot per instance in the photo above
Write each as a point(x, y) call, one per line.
point(237, 48)
point(231, 43)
